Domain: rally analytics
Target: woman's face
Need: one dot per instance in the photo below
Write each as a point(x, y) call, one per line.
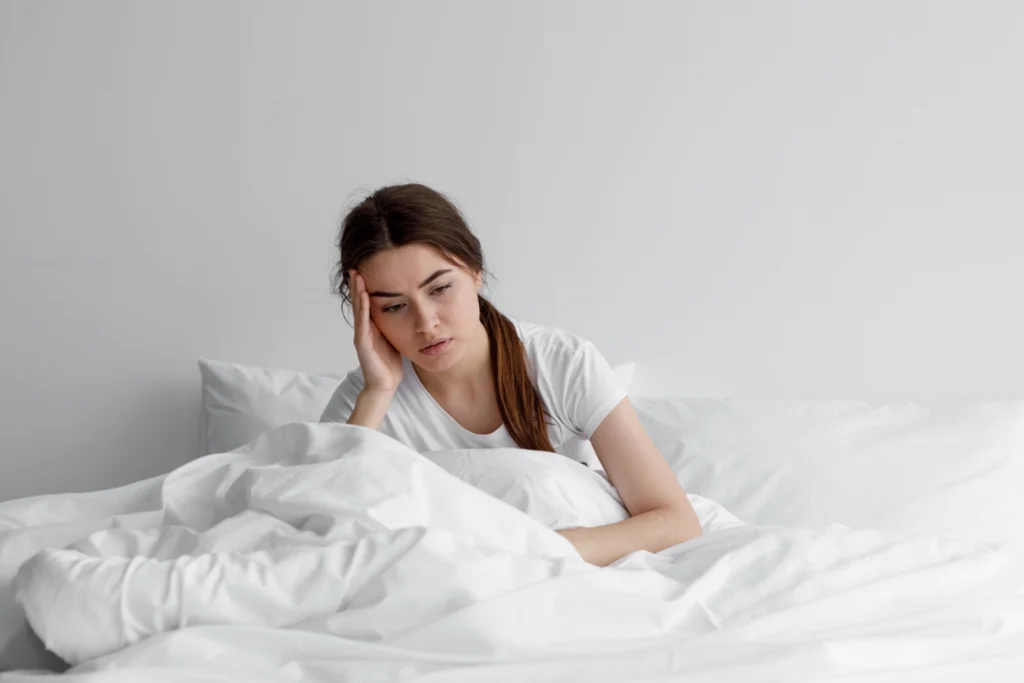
point(418, 297)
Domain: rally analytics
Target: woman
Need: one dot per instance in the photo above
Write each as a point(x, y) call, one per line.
point(440, 368)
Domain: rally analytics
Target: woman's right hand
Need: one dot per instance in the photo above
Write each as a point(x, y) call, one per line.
point(380, 361)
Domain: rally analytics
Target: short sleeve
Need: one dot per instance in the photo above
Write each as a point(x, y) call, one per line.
point(343, 401)
point(591, 388)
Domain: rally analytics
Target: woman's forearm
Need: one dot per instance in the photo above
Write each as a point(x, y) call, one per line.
point(652, 531)
point(371, 407)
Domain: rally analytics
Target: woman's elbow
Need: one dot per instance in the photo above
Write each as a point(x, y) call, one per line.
point(683, 524)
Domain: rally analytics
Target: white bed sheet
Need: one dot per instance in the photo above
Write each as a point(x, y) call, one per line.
point(954, 468)
point(432, 579)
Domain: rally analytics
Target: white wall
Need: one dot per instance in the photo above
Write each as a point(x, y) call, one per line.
point(808, 199)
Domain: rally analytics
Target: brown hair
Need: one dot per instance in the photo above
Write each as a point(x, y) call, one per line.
point(397, 215)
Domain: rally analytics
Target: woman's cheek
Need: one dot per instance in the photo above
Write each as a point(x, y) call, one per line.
point(381, 320)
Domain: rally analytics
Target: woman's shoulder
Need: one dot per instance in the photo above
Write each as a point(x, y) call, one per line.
point(353, 380)
point(577, 384)
point(343, 400)
point(549, 341)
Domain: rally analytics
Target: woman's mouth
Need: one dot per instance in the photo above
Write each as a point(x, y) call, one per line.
point(436, 349)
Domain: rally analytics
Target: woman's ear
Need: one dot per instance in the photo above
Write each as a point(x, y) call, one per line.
point(479, 279)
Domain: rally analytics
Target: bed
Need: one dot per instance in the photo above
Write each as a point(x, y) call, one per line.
point(843, 541)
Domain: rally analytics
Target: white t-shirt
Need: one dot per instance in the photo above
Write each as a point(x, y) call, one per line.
point(578, 386)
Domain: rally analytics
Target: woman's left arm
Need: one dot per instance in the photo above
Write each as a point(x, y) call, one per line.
point(660, 513)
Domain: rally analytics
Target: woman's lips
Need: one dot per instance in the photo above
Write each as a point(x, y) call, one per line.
point(438, 348)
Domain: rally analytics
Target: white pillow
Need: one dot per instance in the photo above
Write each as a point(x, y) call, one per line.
point(240, 402)
point(952, 469)
point(555, 490)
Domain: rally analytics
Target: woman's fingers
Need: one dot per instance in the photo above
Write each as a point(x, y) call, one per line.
point(356, 296)
point(360, 303)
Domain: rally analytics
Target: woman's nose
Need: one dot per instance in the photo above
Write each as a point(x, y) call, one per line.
point(426, 318)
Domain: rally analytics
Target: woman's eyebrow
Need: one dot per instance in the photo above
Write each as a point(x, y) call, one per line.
point(436, 274)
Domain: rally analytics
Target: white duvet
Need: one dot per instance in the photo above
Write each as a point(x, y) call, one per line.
point(327, 552)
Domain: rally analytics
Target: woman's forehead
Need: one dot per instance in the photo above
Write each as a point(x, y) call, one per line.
point(404, 266)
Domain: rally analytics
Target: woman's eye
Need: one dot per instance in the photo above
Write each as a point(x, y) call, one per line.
point(394, 308)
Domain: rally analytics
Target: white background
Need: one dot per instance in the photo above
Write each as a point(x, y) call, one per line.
point(795, 199)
